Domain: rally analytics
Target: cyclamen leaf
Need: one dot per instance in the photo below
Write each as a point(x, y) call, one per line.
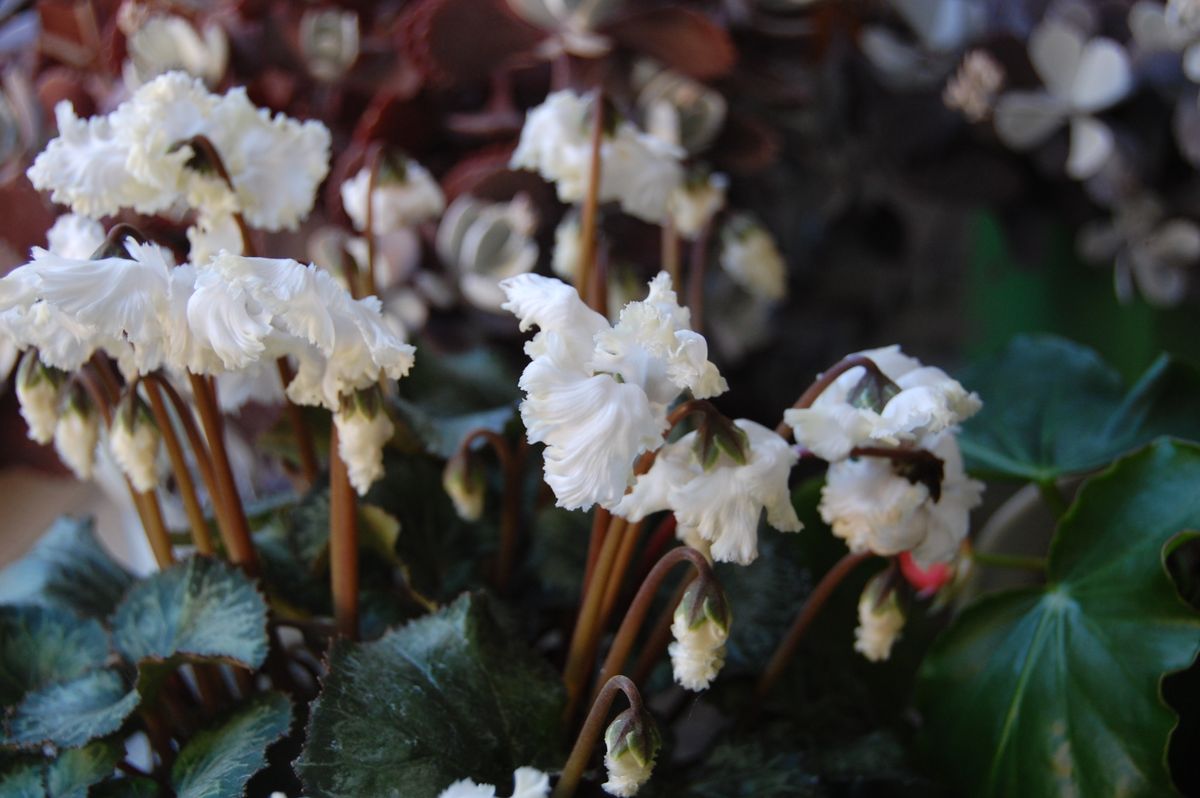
point(1053, 407)
point(1056, 690)
point(217, 762)
point(69, 714)
point(41, 645)
point(448, 696)
point(199, 608)
point(69, 775)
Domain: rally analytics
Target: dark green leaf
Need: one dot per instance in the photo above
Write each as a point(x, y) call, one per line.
point(41, 645)
point(201, 607)
point(218, 762)
point(69, 775)
point(441, 434)
point(1056, 690)
point(446, 697)
point(1052, 408)
point(69, 714)
point(23, 777)
point(67, 568)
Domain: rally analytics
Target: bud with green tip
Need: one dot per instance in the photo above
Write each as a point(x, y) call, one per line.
point(77, 432)
point(39, 389)
point(464, 482)
point(632, 742)
point(701, 627)
point(134, 440)
point(363, 429)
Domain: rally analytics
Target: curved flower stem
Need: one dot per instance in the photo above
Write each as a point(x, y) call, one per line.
point(183, 477)
point(640, 606)
point(187, 420)
point(305, 446)
point(593, 727)
point(510, 509)
point(374, 159)
point(236, 531)
point(812, 607)
point(660, 636)
point(587, 628)
point(591, 206)
point(697, 273)
point(825, 379)
point(343, 542)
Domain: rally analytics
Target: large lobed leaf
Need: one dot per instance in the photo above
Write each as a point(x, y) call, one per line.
point(1056, 690)
point(69, 714)
point(68, 775)
point(43, 645)
point(1053, 408)
point(218, 762)
point(446, 697)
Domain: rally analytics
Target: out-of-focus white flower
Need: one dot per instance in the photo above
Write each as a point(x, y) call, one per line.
point(676, 108)
point(972, 90)
point(693, 204)
point(527, 783)
point(363, 429)
point(921, 400)
point(464, 482)
point(1082, 77)
point(486, 242)
point(77, 433)
point(165, 42)
point(880, 620)
point(631, 745)
point(405, 195)
point(700, 627)
point(329, 42)
point(723, 503)
point(74, 236)
point(596, 394)
point(133, 440)
point(874, 508)
point(749, 256)
point(639, 171)
point(568, 247)
point(1170, 28)
point(39, 388)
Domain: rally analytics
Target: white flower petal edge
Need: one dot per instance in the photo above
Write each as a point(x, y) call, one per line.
point(527, 783)
point(361, 439)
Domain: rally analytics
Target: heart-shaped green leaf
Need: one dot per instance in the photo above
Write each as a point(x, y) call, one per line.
point(1053, 408)
point(42, 645)
point(67, 568)
point(69, 714)
point(1056, 690)
point(446, 697)
point(200, 608)
point(217, 762)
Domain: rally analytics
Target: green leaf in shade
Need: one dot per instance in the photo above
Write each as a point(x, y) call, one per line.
point(132, 787)
point(22, 777)
point(67, 568)
point(69, 714)
point(1052, 407)
point(69, 775)
point(41, 645)
point(446, 697)
point(441, 434)
point(200, 608)
point(1056, 690)
point(217, 762)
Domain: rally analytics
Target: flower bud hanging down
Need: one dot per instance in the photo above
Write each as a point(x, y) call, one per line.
point(77, 432)
point(751, 259)
point(632, 742)
point(700, 627)
point(133, 440)
point(720, 501)
point(597, 395)
point(463, 480)
point(39, 388)
point(527, 783)
point(880, 620)
point(405, 195)
point(862, 409)
point(363, 429)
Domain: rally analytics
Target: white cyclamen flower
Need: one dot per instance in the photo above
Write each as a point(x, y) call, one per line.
point(1170, 28)
point(596, 394)
point(527, 783)
point(700, 628)
point(133, 440)
point(639, 171)
point(721, 505)
point(39, 389)
point(873, 508)
point(1082, 77)
point(486, 242)
point(631, 744)
point(922, 400)
point(400, 200)
point(880, 621)
point(166, 42)
point(363, 430)
point(693, 204)
point(749, 256)
point(76, 435)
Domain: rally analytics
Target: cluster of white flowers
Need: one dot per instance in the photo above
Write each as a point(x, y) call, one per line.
point(639, 171)
point(527, 783)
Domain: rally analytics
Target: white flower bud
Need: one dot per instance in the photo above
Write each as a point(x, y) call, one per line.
point(464, 482)
point(134, 440)
point(693, 204)
point(700, 628)
point(77, 433)
point(363, 429)
point(749, 256)
point(880, 620)
point(632, 744)
point(405, 195)
point(38, 390)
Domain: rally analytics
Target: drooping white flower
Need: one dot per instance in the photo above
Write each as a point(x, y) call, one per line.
point(596, 394)
point(631, 745)
point(164, 42)
point(1082, 77)
point(363, 429)
point(405, 195)
point(38, 391)
point(486, 242)
point(677, 108)
point(74, 236)
point(1170, 28)
point(77, 433)
point(134, 442)
point(694, 203)
point(527, 783)
point(922, 400)
point(700, 627)
point(465, 484)
point(880, 620)
point(749, 256)
point(639, 171)
point(874, 508)
point(721, 505)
